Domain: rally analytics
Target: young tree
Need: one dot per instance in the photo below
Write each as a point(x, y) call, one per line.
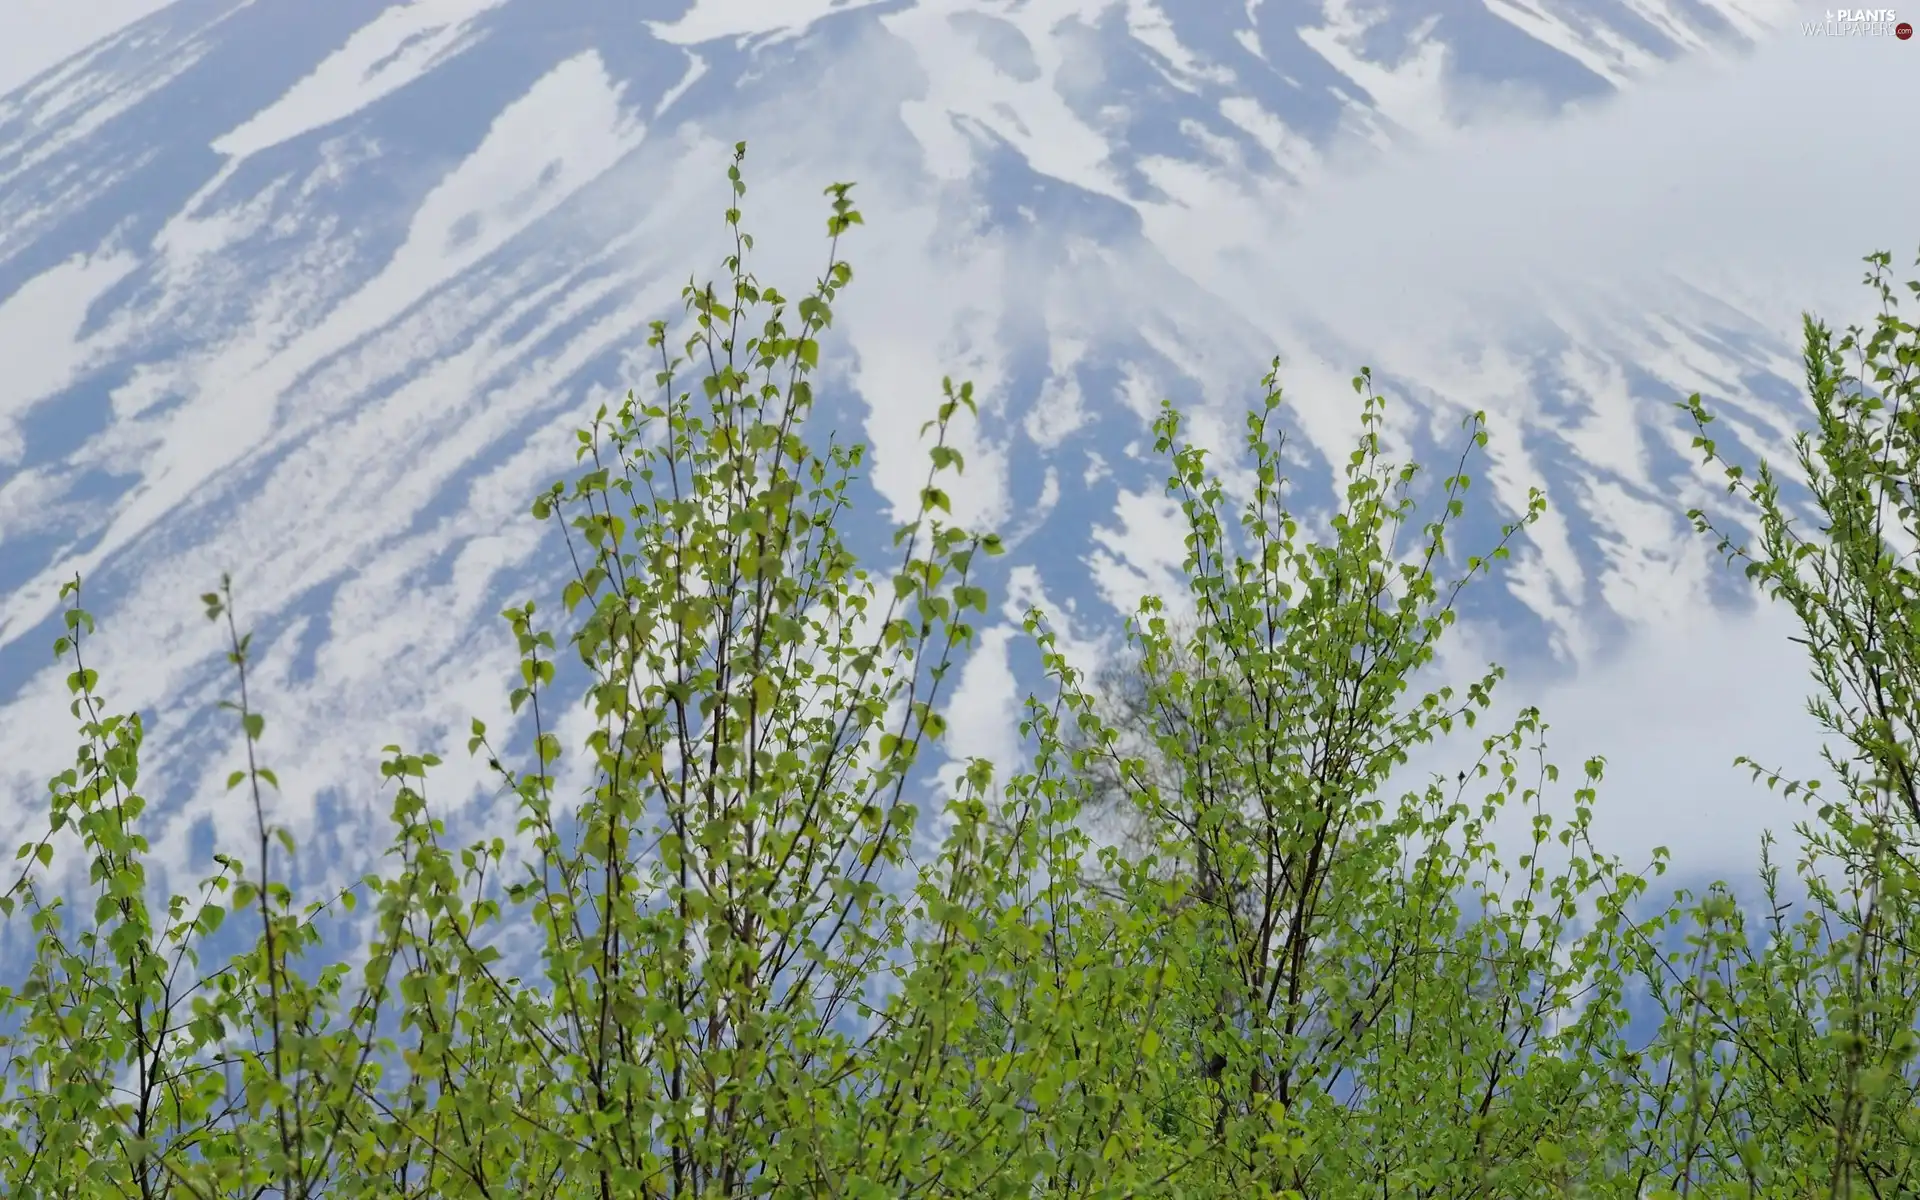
point(765, 970)
point(1799, 1039)
point(1370, 1003)
point(739, 995)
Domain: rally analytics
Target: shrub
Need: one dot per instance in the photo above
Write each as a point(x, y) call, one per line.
point(766, 971)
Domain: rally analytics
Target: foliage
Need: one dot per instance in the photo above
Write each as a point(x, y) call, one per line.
point(1802, 1050)
point(776, 960)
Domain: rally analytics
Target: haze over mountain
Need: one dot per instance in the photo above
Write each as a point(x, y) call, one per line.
point(317, 293)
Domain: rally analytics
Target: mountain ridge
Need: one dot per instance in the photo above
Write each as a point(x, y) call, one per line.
point(318, 293)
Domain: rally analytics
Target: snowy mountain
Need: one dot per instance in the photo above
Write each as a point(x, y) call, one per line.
point(317, 293)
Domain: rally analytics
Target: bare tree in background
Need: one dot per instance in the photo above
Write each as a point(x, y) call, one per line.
point(1157, 741)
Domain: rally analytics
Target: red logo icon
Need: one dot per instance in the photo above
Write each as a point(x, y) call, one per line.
point(1903, 31)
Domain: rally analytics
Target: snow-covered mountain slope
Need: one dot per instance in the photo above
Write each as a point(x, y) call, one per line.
point(317, 293)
